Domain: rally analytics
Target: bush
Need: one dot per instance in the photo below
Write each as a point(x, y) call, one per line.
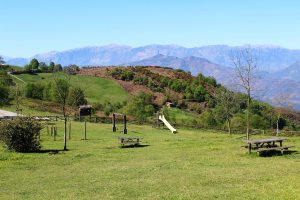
point(76, 97)
point(5, 79)
point(4, 95)
point(71, 69)
point(21, 134)
point(140, 106)
point(34, 91)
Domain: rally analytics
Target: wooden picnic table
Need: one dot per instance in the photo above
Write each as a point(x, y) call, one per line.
point(130, 140)
point(260, 145)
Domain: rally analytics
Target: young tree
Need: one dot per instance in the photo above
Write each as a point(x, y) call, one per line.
point(227, 105)
point(18, 99)
point(61, 90)
point(246, 69)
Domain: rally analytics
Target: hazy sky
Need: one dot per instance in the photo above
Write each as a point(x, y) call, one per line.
point(37, 26)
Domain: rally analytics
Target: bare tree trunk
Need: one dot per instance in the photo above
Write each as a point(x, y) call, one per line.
point(65, 135)
point(277, 126)
point(248, 112)
point(229, 126)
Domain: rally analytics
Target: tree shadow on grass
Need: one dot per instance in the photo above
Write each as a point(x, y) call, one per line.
point(134, 146)
point(277, 153)
point(52, 151)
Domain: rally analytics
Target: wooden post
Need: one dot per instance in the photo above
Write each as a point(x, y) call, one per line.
point(250, 146)
point(114, 123)
point(125, 125)
point(157, 120)
point(85, 130)
point(70, 130)
point(51, 130)
point(47, 130)
point(54, 133)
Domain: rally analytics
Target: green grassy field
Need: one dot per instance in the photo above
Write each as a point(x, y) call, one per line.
point(97, 90)
point(191, 164)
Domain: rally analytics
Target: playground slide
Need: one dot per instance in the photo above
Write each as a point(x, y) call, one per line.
point(163, 119)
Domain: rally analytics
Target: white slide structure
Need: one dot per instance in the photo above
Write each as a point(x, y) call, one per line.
point(163, 119)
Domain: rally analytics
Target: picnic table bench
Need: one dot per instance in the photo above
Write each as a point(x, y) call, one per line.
point(265, 145)
point(132, 141)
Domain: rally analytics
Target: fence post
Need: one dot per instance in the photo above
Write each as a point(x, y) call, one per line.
point(85, 130)
point(54, 133)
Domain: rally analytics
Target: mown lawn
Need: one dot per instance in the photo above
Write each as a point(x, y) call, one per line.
point(191, 164)
point(97, 90)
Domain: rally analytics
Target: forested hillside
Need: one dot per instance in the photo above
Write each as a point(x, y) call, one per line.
point(196, 101)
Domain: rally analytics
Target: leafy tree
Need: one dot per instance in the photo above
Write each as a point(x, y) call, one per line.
point(208, 120)
point(140, 106)
point(51, 66)
point(47, 94)
point(43, 67)
point(76, 97)
point(57, 68)
point(34, 63)
point(5, 79)
point(211, 81)
point(238, 122)
point(199, 93)
point(61, 93)
point(226, 106)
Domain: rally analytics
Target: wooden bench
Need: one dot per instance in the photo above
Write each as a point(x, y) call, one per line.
point(282, 149)
point(131, 141)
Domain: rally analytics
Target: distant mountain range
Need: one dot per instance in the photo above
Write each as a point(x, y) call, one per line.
point(280, 67)
point(192, 64)
point(272, 58)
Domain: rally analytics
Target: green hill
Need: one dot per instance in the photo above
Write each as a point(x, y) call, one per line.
point(97, 90)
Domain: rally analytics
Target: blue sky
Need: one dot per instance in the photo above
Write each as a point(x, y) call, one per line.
point(29, 27)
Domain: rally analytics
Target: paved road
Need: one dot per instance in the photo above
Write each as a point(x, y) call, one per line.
point(4, 113)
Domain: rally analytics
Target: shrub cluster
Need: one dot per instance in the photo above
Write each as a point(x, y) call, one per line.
point(21, 134)
point(48, 92)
